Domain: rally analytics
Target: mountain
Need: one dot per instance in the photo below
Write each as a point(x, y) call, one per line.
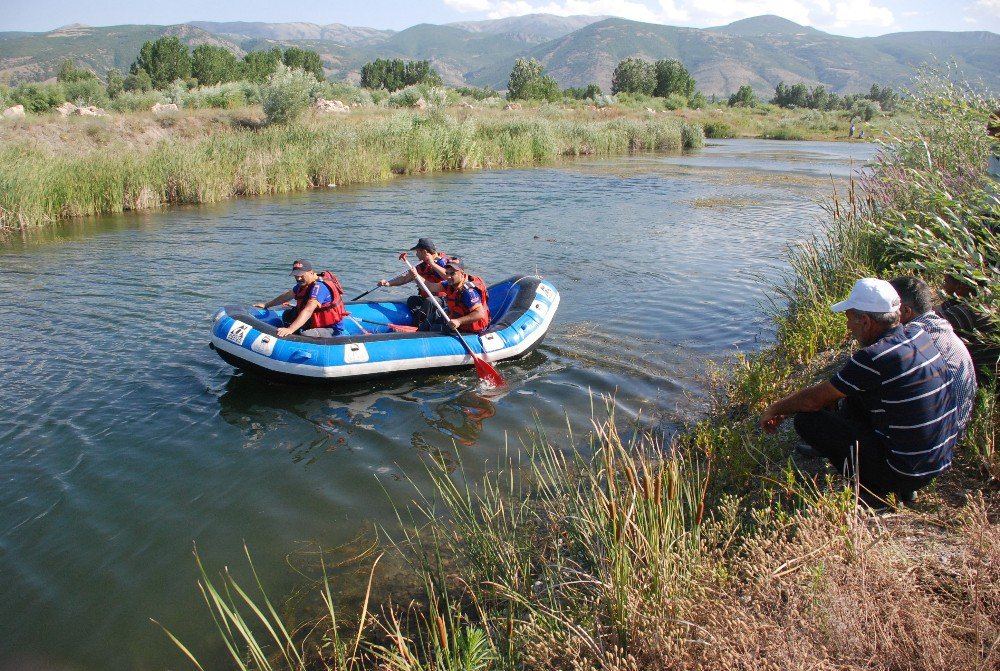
point(532, 28)
point(334, 32)
point(576, 50)
point(37, 56)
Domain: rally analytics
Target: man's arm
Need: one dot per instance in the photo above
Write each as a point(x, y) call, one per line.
point(478, 312)
point(810, 399)
point(287, 296)
point(303, 317)
point(400, 280)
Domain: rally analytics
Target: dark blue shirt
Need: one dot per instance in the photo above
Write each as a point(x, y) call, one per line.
point(903, 382)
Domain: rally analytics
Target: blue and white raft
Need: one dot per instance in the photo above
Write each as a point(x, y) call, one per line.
point(521, 310)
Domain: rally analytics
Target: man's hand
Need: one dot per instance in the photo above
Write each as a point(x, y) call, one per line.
point(262, 306)
point(454, 323)
point(383, 283)
point(282, 332)
point(770, 420)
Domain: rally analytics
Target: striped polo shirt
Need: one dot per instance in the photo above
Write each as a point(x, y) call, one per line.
point(903, 382)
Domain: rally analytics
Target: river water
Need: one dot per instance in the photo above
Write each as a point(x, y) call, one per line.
point(124, 439)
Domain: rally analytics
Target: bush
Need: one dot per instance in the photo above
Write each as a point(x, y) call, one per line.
point(136, 101)
point(346, 93)
point(221, 96)
point(718, 130)
point(86, 92)
point(692, 136)
point(38, 98)
point(408, 97)
point(675, 101)
point(287, 94)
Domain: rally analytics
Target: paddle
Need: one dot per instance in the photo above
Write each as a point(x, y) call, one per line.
point(484, 370)
point(395, 327)
point(360, 296)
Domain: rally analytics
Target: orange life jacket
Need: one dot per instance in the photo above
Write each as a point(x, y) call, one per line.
point(325, 315)
point(456, 309)
point(427, 273)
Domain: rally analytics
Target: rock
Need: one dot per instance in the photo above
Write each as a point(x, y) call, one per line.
point(651, 110)
point(160, 108)
point(331, 106)
point(512, 106)
point(90, 110)
point(421, 104)
point(467, 106)
point(15, 112)
point(66, 108)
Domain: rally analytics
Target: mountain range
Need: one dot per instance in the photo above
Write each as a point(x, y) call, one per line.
point(575, 50)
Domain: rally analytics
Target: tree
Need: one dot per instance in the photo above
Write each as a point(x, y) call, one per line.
point(634, 75)
point(527, 82)
point(884, 96)
point(287, 93)
point(116, 83)
point(672, 77)
point(590, 91)
point(138, 81)
point(794, 96)
point(68, 72)
point(396, 74)
point(303, 59)
point(164, 60)
point(744, 97)
point(258, 66)
point(212, 65)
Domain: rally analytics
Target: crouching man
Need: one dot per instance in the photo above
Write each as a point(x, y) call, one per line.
point(889, 416)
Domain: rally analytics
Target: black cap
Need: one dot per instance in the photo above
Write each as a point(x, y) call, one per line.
point(424, 243)
point(455, 263)
point(300, 267)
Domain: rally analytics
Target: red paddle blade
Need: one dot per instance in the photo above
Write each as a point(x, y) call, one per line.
point(487, 372)
point(403, 328)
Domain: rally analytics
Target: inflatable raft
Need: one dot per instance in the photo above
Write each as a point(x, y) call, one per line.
point(521, 310)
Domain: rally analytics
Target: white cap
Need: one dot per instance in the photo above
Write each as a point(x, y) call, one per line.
point(870, 295)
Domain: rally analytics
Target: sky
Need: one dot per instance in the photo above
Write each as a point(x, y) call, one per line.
point(854, 18)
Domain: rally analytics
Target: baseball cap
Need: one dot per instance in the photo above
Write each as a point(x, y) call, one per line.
point(870, 295)
point(300, 267)
point(424, 243)
point(455, 263)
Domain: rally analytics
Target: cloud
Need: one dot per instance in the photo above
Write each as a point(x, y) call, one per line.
point(989, 6)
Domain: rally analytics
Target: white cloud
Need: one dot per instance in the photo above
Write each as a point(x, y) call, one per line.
point(469, 5)
point(991, 7)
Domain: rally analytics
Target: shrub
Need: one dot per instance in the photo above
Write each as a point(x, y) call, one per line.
point(346, 93)
point(692, 136)
point(86, 92)
point(222, 96)
point(136, 101)
point(38, 98)
point(116, 83)
point(718, 130)
point(675, 101)
point(408, 97)
point(287, 94)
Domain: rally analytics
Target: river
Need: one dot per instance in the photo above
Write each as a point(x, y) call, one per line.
point(124, 439)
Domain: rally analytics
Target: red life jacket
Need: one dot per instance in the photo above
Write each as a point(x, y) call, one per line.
point(325, 315)
point(427, 273)
point(456, 309)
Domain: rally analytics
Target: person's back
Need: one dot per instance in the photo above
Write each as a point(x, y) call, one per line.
point(957, 359)
point(903, 382)
point(971, 327)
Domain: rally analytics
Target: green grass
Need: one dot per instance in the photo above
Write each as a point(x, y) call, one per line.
point(39, 185)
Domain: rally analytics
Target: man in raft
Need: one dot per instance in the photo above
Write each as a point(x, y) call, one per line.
point(431, 269)
point(466, 298)
point(894, 422)
point(319, 303)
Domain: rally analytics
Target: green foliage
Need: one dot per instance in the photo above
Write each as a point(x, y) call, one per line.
point(212, 65)
point(527, 82)
point(86, 92)
point(304, 59)
point(718, 130)
point(164, 60)
point(692, 136)
point(68, 72)
point(38, 98)
point(744, 97)
point(258, 66)
point(589, 92)
point(477, 93)
point(884, 96)
point(136, 101)
point(634, 75)
point(672, 78)
point(287, 94)
point(864, 110)
point(697, 101)
point(116, 83)
point(395, 74)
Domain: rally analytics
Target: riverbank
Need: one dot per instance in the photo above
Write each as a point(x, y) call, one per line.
point(722, 551)
point(52, 169)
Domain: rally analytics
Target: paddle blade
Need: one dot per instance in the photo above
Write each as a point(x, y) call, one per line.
point(403, 328)
point(487, 372)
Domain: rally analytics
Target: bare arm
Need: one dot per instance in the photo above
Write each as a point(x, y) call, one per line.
point(303, 317)
point(477, 313)
point(810, 399)
point(399, 280)
point(287, 296)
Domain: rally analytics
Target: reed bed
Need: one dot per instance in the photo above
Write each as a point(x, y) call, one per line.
point(41, 184)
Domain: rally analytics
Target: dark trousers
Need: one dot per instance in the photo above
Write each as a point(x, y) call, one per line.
point(423, 310)
point(834, 434)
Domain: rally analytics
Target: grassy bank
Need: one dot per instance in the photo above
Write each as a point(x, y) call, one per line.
point(54, 169)
point(719, 550)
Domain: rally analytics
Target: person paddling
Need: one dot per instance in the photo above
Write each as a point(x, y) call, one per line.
point(431, 269)
point(319, 303)
point(467, 301)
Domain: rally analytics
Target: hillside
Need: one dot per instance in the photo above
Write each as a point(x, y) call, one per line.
point(577, 51)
